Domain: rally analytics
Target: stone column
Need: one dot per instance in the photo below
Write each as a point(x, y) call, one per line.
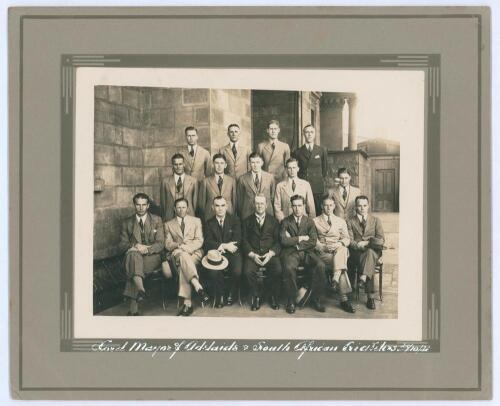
point(352, 135)
point(331, 120)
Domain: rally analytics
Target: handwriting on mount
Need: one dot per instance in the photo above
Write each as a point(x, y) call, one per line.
point(298, 348)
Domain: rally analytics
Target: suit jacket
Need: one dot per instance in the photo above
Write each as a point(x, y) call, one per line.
point(209, 189)
point(246, 191)
point(373, 229)
point(192, 239)
point(198, 166)
point(290, 243)
point(239, 166)
point(330, 234)
point(260, 240)
point(345, 209)
point(313, 166)
point(274, 161)
point(153, 231)
point(231, 231)
point(282, 205)
point(168, 195)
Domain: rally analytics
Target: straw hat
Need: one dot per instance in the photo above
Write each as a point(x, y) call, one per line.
point(214, 260)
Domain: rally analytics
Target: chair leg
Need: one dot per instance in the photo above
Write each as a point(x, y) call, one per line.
point(163, 301)
point(380, 282)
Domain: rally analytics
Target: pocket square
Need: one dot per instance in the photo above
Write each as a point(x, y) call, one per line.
point(316, 157)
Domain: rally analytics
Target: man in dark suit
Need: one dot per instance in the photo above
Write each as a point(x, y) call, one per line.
point(223, 233)
point(298, 238)
point(313, 164)
point(142, 240)
point(261, 249)
point(367, 241)
point(179, 185)
point(254, 181)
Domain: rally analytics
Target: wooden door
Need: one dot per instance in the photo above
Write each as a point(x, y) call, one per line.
point(385, 191)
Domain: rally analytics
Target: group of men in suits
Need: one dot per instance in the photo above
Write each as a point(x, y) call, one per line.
point(277, 195)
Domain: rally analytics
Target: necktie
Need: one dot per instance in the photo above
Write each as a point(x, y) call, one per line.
point(178, 187)
point(309, 148)
point(363, 224)
point(329, 221)
point(219, 184)
point(143, 236)
point(191, 151)
point(257, 182)
point(297, 221)
point(344, 194)
point(221, 225)
point(293, 185)
point(183, 226)
point(234, 151)
point(273, 146)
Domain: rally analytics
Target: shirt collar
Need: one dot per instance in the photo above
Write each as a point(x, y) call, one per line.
point(297, 219)
point(176, 177)
point(179, 219)
point(233, 144)
point(223, 219)
point(327, 217)
point(260, 217)
point(141, 217)
point(360, 217)
point(254, 175)
point(192, 146)
point(309, 146)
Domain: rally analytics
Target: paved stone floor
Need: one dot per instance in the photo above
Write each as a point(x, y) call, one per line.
point(386, 309)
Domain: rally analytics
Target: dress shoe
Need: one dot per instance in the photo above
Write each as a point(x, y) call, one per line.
point(185, 311)
point(347, 306)
point(141, 296)
point(229, 299)
point(219, 302)
point(317, 305)
point(274, 304)
point(204, 298)
point(255, 303)
point(305, 297)
point(290, 308)
point(370, 304)
point(129, 313)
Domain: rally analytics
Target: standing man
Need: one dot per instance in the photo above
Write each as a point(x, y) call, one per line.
point(298, 237)
point(313, 164)
point(235, 153)
point(197, 159)
point(179, 185)
point(261, 249)
point(289, 187)
point(218, 184)
point(367, 242)
point(253, 182)
point(345, 195)
point(223, 233)
point(332, 248)
point(184, 240)
point(274, 152)
point(142, 240)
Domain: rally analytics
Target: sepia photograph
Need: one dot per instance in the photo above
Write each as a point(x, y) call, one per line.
point(254, 202)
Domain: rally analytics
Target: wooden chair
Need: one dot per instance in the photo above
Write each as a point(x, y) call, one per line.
point(379, 269)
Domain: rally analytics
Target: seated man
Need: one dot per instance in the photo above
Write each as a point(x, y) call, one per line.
point(298, 239)
point(332, 248)
point(142, 241)
point(260, 246)
point(223, 233)
point(184, 240)
point(367, 240)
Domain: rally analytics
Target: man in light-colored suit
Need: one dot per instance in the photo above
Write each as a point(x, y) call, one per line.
point(142, 241)
point(344, 195)
point(332, 247)
point(217, 185)
point(235, 153)
point(184, 240)
point(253, 182)
point(179, 185)
point(197, 159)
point(367, 242)
point(289, 187)
point(274, 152)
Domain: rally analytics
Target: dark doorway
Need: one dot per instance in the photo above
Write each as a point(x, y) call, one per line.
point(275, 105)
point(385, 191)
